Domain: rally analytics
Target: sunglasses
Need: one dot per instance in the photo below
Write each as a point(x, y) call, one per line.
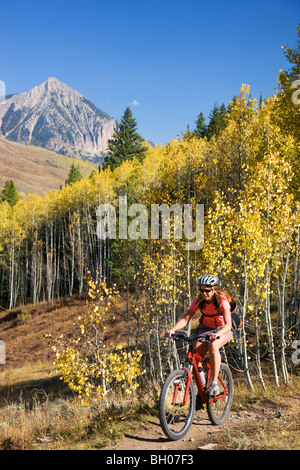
point(206, 290)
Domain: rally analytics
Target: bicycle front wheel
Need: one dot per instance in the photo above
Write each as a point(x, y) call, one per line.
point(219, 409)
point(175, 413)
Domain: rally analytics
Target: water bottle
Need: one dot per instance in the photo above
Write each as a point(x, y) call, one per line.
point(202, 376)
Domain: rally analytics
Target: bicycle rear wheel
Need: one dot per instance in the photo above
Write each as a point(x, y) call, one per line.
point(176, 416)
point(219, 409)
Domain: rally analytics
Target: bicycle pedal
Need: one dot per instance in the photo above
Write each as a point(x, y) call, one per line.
point(210, 396)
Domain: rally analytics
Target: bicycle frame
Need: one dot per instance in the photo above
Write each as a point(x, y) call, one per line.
point(194, 358)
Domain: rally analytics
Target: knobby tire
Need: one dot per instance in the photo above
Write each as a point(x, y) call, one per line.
point(218, 411)
point(176, 418)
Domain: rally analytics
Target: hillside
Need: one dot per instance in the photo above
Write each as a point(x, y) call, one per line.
point(34, 169)
point(23, 329)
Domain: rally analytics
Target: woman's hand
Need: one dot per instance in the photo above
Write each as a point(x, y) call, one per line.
point(169, 333)
point(213, 337)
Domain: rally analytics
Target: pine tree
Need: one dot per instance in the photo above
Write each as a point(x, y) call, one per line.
point(216, 121)
point(125, 143)
point(10, 193)
point(201, 127)
point(74, 174)
point(287, 114)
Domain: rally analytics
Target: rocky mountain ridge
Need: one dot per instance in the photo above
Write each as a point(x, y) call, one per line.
point(55, 116)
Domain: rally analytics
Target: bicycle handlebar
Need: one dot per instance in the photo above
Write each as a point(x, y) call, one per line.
point(191, 339)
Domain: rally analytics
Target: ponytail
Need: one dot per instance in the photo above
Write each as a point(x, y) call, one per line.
point(218, 297)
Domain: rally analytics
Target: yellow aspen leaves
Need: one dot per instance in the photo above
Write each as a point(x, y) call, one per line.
point(90, 369)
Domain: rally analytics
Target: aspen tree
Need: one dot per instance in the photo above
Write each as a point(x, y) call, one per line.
point(93, 369)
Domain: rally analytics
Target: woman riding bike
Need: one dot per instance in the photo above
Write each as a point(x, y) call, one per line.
point(215, 321)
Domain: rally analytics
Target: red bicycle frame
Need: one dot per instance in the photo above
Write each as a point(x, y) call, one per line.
point(187, 388)
point(196, 358)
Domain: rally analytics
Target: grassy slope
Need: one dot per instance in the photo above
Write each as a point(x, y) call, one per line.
point(23, 328)
point(34, 169)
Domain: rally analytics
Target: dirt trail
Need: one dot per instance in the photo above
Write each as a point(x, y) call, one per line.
point(201, 433)
point(282, 414)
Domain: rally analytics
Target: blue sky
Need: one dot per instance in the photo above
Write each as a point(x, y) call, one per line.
point(166, 59)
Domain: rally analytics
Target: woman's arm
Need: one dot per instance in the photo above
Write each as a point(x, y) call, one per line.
point(227, 323)
point(181, 323)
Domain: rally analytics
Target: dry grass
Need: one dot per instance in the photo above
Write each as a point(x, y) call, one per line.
point(23, 329)
point(34, 169)
point(276, 422)
point(37, 410)
point(31, 406)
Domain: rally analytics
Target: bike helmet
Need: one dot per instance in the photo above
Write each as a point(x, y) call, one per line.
point(208, 280)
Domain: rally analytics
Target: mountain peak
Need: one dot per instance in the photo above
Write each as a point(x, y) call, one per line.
point(55, 116)
point(54, 83)
point(54, 80)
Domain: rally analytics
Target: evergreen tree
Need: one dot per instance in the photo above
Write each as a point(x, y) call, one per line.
point(216, 121)
point(201, 127)
point(287, 104)
point(286, 113)
point(125, 143)
point(10, 193)
point(74, 174)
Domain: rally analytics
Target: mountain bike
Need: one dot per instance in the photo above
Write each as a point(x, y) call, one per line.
point(177, 400)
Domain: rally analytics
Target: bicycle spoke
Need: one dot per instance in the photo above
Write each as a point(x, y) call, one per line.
point(219, 408)
point(175, 414)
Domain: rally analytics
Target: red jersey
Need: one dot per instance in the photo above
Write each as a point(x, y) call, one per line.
point(211, 315)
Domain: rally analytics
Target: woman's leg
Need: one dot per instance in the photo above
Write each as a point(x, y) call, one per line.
point(201, 349)
point(215, 356)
